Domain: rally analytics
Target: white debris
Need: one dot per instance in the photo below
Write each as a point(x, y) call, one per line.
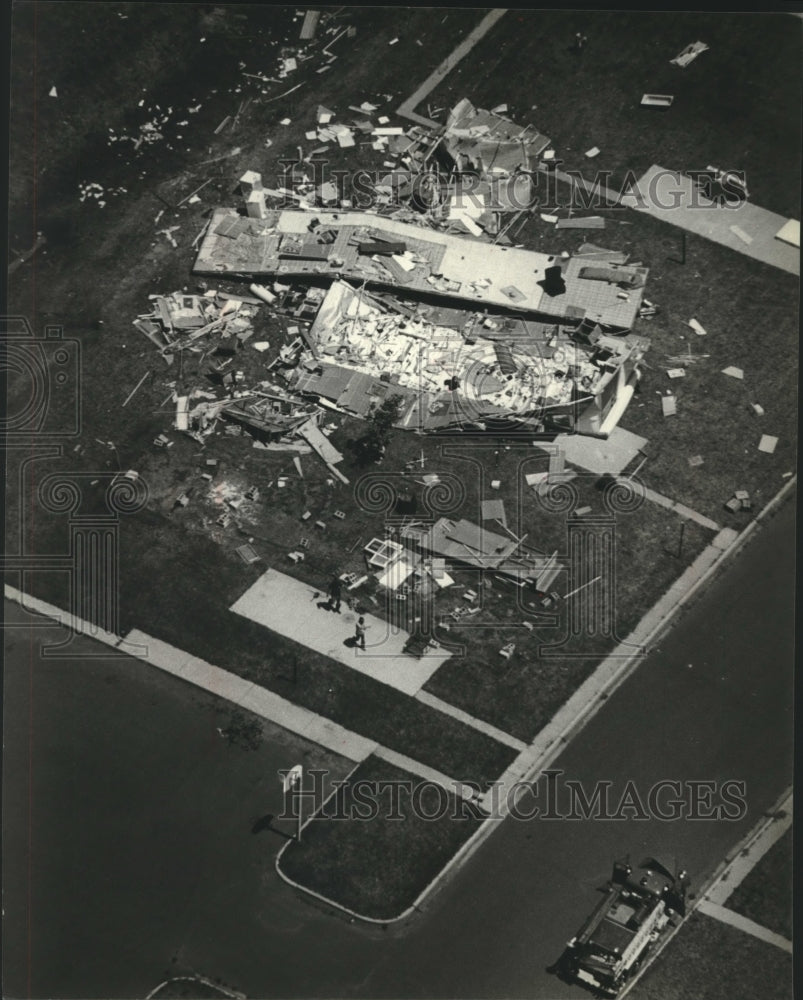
point(689, 54)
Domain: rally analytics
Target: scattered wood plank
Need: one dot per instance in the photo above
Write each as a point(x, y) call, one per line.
point(136, 388)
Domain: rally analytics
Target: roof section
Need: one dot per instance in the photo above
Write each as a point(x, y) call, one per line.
point(289, 244)
point(488, 143)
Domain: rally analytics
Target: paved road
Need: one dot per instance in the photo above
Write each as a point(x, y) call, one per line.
point(141, 823)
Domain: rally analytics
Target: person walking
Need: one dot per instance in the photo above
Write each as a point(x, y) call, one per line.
point(359, 633)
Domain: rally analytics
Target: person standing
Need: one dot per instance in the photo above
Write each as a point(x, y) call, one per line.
point(335, 593)
point(359, 633)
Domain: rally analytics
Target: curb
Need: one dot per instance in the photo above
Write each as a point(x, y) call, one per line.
point(556, 744)
point(767, 819)
point(311, 892)
point(560, 741)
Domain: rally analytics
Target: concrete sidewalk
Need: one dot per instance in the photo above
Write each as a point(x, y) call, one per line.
point(769, 833)
point(252, 697)
point(671, 197)
point(744, 924)
point(678, 508)
point(291, 608)
point(406, 108)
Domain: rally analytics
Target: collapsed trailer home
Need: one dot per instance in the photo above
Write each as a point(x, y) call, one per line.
point(387, 253)
point(485, 142)
point(462, 542)
point(452, 369)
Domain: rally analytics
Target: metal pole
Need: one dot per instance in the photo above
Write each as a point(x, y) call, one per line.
point(680, 541)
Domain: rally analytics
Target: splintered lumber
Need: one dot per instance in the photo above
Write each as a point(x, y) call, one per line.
point(309, 25)
point(199, 188)
point(337, 472)
point(150, 330)
point(592, 222)
point(320, 443)
point(136, 387)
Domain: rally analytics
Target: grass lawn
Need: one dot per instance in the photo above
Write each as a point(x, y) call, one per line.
point(729, 110)
point(179, 571)
point(522, 693)
point(710, 960)
point(720, 117)
point(364, 865)
point(766, 894)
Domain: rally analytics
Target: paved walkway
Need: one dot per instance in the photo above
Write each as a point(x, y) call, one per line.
point(768, 833)
point(267, 705)
point(256, 699)
point(672, 197)
point(245, 694)
point(406, 109)
point(747, 856)
point(679, 508)
point(427, 773)
point(457, 713)
point(290, 607)
point(744, 924)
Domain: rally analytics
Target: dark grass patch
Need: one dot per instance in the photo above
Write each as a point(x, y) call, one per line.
point(718, 962)
point(521, 694)
point(192, 614)
point(379, 866)
point(721, 115)
point(766, 894)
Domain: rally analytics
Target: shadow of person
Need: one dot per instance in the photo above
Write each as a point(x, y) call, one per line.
point(324, 605)
point(263, 823)
point(351, 642)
